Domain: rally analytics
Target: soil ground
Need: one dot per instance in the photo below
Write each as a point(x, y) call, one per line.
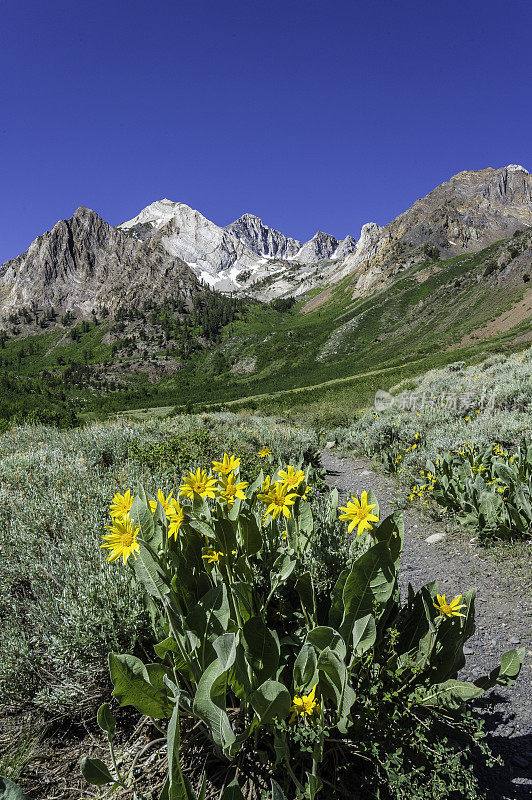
point(503, 616)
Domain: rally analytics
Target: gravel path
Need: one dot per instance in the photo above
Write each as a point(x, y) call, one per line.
point(503, 617)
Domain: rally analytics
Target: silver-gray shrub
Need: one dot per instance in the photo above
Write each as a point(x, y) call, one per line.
point(62, 606)
point(505, 415)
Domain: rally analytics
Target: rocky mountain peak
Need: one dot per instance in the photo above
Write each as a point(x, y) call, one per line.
point(321, 247)
point(85, 263)
point(517, 168)
point(261, 239)
point(345, 248)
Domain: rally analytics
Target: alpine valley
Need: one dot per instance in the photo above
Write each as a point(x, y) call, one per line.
point(169, 309)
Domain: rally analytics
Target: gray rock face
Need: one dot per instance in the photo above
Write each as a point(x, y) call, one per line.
point(321, 247)
point(239, 256)
point(345, 247)
point(464, 214)
point(213, 252)
point(469, 211)
point(263, 240)
point(84, 263)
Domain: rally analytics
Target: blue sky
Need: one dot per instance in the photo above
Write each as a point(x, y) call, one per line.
point(313, 115)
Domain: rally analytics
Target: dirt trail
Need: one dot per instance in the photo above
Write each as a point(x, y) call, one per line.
point(503, 617)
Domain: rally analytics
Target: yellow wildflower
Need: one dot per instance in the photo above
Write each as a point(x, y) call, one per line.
point(166, 502)
point(121, 505)
point(264, 452)
point(278, 500)
point(226, 466)
point(359, 513)
point(290, 478)
point(212, 556)
point(305, 705)
point(451, 609)
point(122, 539)
point(205, 485)
point(230, 489)
point(177, 517)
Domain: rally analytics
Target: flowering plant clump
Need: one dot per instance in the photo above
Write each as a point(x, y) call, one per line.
point(490, 487)
point(251, 654)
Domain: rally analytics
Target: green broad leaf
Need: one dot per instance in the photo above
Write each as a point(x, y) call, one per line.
point(507, 673)
point(234, 512)
point(314, 785)
point(284, 565)
point(251, 535)
point(160, 525)
point(335, 684)
point(391, 531)
point(232, 791)
point(271, 699)
point(364, 634)
point(225, 648)
point(336, 612)
point(106, 720)
point(261, 647)
point(168, 645)
point(256, 485)
point(225, 534)
point(333, 505)
point(93, 770)
point(210, 616)
point(416, 625)
point(306, 521)
point(306, 669)
point(150, 574)
point(201, 526)
point(451, 694)
point(370, 581)
point(178, 786)
point(132, 687)
point(140, 513)
point(519, 522)
point(324, 637)
point(332, 671)
point(282, 752)
point(10, 791)
point(210, 699)
point(305, 590)
point(243, 595)
point(239, 679)
point(156, 675)
point(141, 494)
point(506, 474)
point(200, 507)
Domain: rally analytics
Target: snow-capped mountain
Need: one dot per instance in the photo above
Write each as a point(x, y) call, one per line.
point(85, 263)
point(232, 258)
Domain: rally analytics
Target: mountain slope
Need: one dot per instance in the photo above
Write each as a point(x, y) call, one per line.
point(83, 264)
point(240, 257)
point(464, 214)
point(219, 349)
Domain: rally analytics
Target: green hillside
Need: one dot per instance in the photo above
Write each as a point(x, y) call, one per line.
point(225, 350)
